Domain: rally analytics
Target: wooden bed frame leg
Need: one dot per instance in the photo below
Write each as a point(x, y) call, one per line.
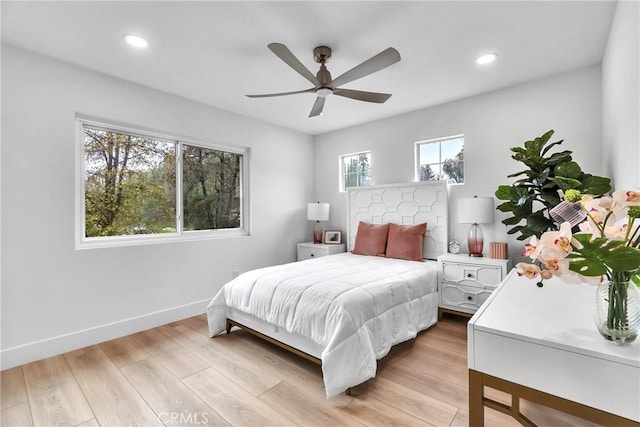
point(228, 327)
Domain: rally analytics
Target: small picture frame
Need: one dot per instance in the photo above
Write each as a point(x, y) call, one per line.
point(332, 237)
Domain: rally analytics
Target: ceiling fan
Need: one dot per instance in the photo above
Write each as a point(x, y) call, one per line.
point(324, 85)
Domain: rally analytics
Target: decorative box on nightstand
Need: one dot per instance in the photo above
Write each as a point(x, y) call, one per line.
point(310, 250)
point(465, 282)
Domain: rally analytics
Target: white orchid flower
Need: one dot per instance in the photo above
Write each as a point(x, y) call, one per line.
point(530, 271)
point(559, 240)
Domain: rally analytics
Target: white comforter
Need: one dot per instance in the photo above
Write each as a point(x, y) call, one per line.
point(356, 307)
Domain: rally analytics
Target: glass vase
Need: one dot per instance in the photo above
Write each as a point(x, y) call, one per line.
point(618, 311)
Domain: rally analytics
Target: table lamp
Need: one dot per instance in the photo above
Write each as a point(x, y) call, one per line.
point(475, 211)
point(317, 212)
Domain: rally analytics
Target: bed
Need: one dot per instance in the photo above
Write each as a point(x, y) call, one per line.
point(346, 311)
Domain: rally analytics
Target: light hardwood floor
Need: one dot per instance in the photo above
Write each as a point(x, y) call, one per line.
point(177, 375)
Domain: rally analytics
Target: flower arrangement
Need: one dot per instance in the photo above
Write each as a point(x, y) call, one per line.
point(606, 245)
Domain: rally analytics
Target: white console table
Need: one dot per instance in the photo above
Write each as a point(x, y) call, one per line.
point(541, 344)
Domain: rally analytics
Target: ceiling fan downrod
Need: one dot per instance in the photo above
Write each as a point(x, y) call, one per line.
point(322, 55)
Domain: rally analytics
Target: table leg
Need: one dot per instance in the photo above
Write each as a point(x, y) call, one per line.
point(476, 396)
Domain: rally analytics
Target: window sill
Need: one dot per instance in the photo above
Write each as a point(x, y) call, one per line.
point(187, 236)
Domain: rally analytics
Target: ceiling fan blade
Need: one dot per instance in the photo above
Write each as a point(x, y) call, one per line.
point(363, 96)
point(289, 58)
point(382, 60)
point(317, 107)
point(267, 95)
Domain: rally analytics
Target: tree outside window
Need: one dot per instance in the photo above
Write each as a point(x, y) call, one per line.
point(442, 158)
point(211, 189)
point(129, 184)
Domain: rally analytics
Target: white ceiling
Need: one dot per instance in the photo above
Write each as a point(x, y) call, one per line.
point(216, 52)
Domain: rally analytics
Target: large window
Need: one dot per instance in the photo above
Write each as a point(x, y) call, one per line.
point(211, 188)
point(441, 158)
point(137, 187)
point(355, 170)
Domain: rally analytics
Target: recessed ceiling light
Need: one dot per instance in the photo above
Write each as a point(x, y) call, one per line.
point(486, 59)
point(136, 41)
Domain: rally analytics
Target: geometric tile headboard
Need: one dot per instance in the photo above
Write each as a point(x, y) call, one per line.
point(405, 204)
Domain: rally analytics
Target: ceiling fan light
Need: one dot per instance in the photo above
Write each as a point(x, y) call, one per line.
point(324, 92)
point(136, 41)
point(486, 59)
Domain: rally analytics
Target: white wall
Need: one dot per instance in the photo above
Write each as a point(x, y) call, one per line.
point(492, 123)
point(54, 298)
point(621, 97)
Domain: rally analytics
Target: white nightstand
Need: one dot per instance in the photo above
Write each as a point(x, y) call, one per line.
point(308, 250)
point(465, 282)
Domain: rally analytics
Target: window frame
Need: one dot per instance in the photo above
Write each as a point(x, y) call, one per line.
point(341, 171)
point(431, 141)
point(83, 242)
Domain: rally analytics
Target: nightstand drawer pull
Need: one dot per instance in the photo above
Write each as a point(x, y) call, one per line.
point(469, 275)
point(469, 298)
point(312, 255)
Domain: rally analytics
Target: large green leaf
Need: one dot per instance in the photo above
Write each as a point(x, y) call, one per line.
point(566, 183)
point(534, 162)
point(550, 198)
point(520, 156)
point(555, 158)
point(568, 170)
point(506, 207)
point(599, 256)
point(504, 192)
point(539, 223)
point(512, 220)
point(520, 195)
point(595, 185)
point(550, 146)
point(533, 147)
point(546, 137)
point(541, 178)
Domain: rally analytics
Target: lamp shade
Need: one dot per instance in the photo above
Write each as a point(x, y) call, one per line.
point(318, 211)
point(478, 210)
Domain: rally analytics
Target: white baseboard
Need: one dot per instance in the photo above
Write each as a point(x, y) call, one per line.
point(26, 353)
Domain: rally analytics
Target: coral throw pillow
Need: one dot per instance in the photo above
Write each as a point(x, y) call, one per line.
point(371, 239)
point(405, 241)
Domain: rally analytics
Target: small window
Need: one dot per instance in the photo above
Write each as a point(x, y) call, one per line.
point(355, 170)
point(441, 158)
point(136, 187)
